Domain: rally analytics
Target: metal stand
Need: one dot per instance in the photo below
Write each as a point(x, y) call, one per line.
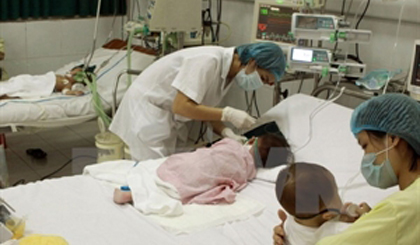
point(114, 91)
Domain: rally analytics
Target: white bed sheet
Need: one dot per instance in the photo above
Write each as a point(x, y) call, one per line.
point(31, 112)
point(81, 210)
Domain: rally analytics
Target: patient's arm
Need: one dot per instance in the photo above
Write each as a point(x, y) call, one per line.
point(5, 97)
point(75, 93)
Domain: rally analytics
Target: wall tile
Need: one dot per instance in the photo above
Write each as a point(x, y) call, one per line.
point(15, 67)
point(14, 35)
point(43, 65)
point(44, 38)
point(77, 37)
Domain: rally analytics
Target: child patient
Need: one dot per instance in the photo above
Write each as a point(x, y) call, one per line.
point(309, 193)
point(29, 86)
point(214, 175)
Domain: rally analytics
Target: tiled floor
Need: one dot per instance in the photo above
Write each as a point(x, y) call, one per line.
point(61, 144)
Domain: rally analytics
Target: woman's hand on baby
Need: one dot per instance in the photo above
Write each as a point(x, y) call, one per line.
point(278, 231)
point(351, 212)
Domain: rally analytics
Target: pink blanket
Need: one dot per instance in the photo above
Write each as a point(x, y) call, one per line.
point(209, 175)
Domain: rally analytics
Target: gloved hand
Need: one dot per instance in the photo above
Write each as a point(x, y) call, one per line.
point(240, 119)
point(228, 133)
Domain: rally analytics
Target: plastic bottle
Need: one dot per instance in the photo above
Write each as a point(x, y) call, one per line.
point(351, 210)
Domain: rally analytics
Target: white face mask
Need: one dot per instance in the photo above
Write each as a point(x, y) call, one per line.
point(382, 175)
point(249, 82)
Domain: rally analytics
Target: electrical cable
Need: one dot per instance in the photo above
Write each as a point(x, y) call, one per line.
point(248, 103)
point(397, 36)
point(138, 7)
point(301, 83)
point(98, 12)
point(343, 6)
point(357, 27)
point(132, 3)
point(257, 109)
point(229, 35)
point(315, 112)
point(65, 165)
point(348, 10)
point(348, 183)
point(219, 17)
point(202, 131)
point(129, 50)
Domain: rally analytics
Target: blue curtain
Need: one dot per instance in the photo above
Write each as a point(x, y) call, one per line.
point(41, 9)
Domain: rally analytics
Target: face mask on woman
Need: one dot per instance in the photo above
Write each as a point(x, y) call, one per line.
point(249, 82)
point(381, 176)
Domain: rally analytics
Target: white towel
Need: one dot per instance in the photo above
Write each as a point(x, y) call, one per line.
point(28, 86)
point(154, 197)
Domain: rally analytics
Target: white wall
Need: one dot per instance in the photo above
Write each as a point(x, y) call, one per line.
point(378, 54)
point(36, 47)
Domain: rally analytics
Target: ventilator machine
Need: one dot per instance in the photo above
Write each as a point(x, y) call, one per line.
point(414, 77)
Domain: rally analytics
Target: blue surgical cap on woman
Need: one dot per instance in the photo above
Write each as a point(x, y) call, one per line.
point(395, 114)
point(268, 56)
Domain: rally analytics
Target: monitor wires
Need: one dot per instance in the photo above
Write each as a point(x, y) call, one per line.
point(316, 111)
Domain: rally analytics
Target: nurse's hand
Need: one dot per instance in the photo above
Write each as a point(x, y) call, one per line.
point(351, 212)
point(240, 119)
point(279, 236)
point(228, 133)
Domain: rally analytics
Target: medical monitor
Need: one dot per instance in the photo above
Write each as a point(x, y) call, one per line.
point(414, 78)
point(272, 23)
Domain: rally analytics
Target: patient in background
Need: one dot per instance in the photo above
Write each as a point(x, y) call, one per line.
point(214, 175)
point(29, 86)
point(309, 193)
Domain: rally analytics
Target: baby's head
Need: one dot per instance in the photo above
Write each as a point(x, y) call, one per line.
point(308, 192)
point(273, 150)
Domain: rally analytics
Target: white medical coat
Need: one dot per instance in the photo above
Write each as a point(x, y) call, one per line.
point(145, 121)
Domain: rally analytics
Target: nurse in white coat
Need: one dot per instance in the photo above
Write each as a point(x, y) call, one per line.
point(187, 85)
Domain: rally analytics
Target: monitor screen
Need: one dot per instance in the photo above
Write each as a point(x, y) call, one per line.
point(415, 79)
point(274, 23)
point(302, 55)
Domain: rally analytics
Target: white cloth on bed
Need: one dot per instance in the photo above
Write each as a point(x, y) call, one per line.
point(297, 234)
point(151, 199)
point(29, 86)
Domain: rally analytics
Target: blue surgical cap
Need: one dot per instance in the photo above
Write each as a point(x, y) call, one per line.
point(268, 56)
point(395, 114)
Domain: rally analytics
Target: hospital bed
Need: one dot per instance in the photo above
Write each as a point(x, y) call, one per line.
point(59, 110)
point(80, 208)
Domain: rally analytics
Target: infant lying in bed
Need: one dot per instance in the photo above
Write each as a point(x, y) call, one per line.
point(28, 86)
point(309, 193)
point(214, 175)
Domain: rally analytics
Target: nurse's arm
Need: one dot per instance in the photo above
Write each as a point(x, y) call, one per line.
point(186, 107)
point(218, 127)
